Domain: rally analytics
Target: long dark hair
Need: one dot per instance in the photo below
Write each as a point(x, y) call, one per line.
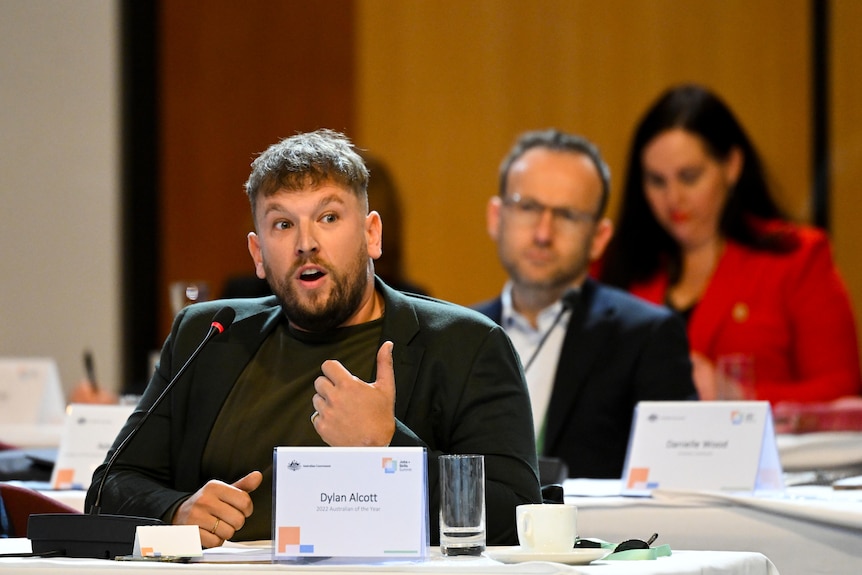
point(640, 246)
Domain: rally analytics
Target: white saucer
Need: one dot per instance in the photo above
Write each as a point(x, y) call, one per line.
point(518, 554)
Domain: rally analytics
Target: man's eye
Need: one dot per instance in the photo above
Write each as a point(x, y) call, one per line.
point(329, 218)
point(571, 215)
point(531, 207)
point(283, 225)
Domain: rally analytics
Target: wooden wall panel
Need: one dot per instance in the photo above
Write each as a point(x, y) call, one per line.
point(444, 86)
point(440, 88)
point(235, 78)
point(846, 140)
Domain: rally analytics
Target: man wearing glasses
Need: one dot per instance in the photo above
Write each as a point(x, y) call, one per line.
point(590, 352)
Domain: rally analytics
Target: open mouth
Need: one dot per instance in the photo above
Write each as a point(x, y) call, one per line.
point(311, 274)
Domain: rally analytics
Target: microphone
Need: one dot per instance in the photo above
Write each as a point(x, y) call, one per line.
point(98, 536)
point(569, 300)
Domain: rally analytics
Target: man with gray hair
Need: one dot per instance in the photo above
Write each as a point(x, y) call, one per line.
point(334, 357)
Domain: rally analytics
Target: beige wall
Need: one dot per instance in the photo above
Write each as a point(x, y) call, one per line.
point(60, 265)
point(444, 86)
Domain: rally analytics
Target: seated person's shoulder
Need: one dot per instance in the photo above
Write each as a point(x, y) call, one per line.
point(442, 313)
point(488, 307)
point(791, 239)
point(632, 306)
point(811, 239)
point(204, 312)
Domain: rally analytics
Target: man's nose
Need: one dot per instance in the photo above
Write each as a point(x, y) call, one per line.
point(306, 242)
point(545, 226)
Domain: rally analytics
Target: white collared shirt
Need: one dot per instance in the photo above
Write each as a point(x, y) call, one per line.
point(540, 375)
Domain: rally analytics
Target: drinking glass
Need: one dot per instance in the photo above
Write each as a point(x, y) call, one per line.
point(734, 377)
point(462, 504)
point(183, 293)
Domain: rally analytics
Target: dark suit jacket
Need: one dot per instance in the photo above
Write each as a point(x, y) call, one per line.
point(459, 389)
point(618, 350)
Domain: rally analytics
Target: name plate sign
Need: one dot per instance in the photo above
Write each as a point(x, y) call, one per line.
point(30, 391)
point(88, 433)
point(707, 445)
point(350, 502)
point(164, 541)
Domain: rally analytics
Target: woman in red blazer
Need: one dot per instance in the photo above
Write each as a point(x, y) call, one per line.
point(699, 232)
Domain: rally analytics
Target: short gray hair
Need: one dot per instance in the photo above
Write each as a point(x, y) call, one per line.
point(558, 141)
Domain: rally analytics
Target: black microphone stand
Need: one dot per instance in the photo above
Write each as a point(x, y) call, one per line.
point(97, 536)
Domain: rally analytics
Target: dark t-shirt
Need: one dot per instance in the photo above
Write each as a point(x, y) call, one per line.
point(270, 406)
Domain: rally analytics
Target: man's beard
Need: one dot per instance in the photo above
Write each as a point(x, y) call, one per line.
point(557, 280)
point(317, 315)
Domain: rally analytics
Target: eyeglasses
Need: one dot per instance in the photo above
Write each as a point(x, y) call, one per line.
point(529, 212)
point(626, 545)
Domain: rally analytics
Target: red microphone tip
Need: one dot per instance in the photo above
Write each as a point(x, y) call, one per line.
point(223, 319)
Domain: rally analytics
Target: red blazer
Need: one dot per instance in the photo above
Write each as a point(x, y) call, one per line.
point(791, 312)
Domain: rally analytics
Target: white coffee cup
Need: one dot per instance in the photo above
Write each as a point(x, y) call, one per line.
point(547, 527)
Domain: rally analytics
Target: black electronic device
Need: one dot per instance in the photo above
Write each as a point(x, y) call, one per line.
point(99, 536)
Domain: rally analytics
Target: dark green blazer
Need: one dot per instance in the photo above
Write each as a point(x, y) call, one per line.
point(459, 389)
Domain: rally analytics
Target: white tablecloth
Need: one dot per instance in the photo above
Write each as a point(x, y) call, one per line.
point(808, 530)
point(820, 450)
point(811, 530)
point(26, 435)
point(74, 498)
point(680, 563)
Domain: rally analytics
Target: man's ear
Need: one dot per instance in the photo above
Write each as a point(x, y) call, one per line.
point(601, 237)
point(256, 255)
point(492, 217)
point(374, 234)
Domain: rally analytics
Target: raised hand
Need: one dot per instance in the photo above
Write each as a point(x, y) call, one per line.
point(351, 412)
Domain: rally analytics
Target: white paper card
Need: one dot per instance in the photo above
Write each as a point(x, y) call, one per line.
point(30, 391)
point(88, 433)
point(167, 541)
point(707, 445)
point(357, 502)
